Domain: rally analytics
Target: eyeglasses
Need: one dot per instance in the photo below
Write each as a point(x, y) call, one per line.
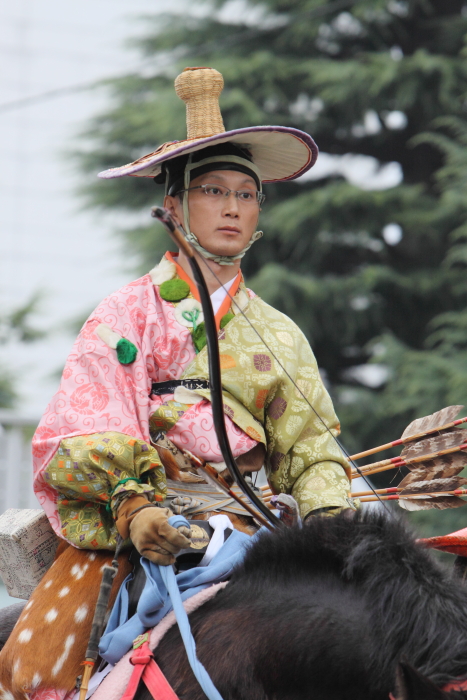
point(219, 191)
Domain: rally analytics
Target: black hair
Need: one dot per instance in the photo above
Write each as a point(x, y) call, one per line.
point(176, 167)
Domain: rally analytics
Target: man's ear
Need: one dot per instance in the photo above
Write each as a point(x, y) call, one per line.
point(173, 205)
point(412, 685)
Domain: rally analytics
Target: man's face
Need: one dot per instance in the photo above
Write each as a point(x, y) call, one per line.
point(224, 225)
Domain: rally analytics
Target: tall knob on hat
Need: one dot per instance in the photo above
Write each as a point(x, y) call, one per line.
point(200, 88)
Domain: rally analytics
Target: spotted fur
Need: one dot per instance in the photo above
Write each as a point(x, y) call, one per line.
point(48, 643)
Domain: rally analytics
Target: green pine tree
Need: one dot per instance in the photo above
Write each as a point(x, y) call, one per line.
point(16, 326)
point(381, 79)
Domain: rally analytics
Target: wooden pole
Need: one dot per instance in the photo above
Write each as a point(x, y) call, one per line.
point(396, 490)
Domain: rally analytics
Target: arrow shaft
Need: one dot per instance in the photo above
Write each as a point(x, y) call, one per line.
point(399, 462)
point(393, 462)
point(411, 496)
point(410, 438)
point(394, 489)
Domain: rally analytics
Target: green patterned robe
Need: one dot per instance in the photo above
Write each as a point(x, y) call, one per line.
point(286, 408)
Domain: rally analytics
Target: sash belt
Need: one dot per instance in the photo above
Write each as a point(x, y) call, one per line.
point(159, 388)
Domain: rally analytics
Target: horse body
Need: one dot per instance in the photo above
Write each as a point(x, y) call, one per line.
point(327, 611)
point(341, 609)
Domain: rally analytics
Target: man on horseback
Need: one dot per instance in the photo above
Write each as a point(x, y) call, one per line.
point(110, 453)
point(93, 449)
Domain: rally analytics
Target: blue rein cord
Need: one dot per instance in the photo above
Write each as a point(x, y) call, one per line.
point(170, 582)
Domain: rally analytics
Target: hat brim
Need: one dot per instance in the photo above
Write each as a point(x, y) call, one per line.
point(280, 153)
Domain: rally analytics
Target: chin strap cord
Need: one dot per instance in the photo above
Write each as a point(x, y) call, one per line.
point(220, 259)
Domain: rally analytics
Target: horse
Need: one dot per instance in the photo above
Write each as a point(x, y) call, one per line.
point(343, 608)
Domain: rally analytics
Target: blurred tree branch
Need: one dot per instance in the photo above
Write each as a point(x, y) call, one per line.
point(17, 326)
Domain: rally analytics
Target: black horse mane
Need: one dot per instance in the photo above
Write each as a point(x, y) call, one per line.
point(415, 603)
point(328, 611)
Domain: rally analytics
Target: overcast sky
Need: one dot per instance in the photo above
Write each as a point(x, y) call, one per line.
point(46, 243)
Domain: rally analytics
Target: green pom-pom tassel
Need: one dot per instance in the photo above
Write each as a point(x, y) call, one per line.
point(126, 351)
point(199, 337)
point(225, 319)
point(174, 290)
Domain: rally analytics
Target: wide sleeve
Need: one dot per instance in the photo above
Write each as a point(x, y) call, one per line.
point(273, 391)
point(305, 459)
point(92, 475)
point(323, 485)
point(95, 431)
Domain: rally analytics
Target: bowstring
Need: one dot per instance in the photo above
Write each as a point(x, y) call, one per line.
point(339, 444)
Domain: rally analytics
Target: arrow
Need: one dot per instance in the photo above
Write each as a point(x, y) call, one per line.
point(216, 480)
point(420, 428)
point(443, 448)
point(438, 500)
point(451, 485)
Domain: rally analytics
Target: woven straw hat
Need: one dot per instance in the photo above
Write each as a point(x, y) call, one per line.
point(279, 152)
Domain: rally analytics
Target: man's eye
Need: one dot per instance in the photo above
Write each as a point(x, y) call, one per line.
point(213, 191)
point(246, 196)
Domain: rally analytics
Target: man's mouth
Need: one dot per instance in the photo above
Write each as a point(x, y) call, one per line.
point(233, 229)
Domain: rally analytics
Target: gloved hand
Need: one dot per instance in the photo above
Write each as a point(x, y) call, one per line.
point(154, 538)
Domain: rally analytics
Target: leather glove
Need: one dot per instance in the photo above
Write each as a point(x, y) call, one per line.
point(126, 513)
point(154, 538)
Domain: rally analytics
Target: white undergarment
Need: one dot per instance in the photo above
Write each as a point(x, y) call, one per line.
point(219, 295)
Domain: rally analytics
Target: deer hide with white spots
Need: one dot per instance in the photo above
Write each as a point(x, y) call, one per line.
point(48, 644)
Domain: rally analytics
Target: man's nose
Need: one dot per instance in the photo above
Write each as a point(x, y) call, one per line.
point(230, 207)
